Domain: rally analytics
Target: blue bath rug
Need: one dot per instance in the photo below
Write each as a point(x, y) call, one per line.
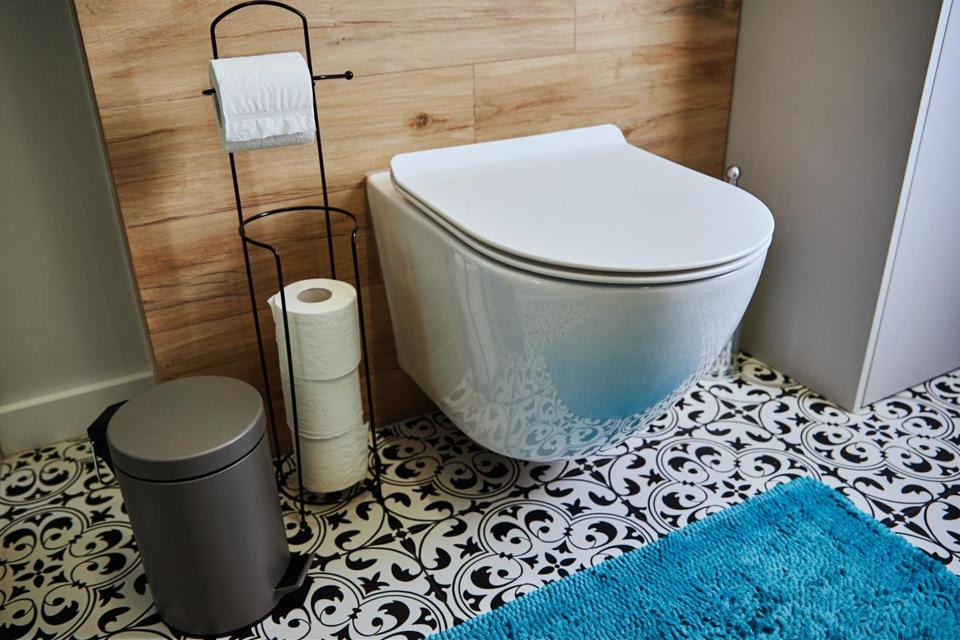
point(799, 561)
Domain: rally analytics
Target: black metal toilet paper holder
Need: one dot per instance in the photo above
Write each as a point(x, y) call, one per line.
point(327, 210)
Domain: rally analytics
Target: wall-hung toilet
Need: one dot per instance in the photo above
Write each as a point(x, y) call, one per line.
point(555, 293)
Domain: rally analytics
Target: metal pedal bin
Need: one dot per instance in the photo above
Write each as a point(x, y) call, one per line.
point(194, 469)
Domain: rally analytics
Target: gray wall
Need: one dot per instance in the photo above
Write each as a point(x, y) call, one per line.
point(70, 316)
point(825, 100)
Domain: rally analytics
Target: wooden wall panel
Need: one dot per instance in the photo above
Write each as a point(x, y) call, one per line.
point(430, 73)
point(368, 120)
point(669, 99)
point(385, 36)
point(620, 24)
point(171, 42)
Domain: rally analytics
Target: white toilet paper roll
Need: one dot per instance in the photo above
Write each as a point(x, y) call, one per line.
point(325, 408)
point(263, 101)
point(324, 332)
point(332, 464)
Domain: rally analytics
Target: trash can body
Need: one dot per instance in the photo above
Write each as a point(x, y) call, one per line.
point(194, 469)
point(213, 547)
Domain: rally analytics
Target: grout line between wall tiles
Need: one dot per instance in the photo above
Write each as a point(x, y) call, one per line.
point(474, 69)
point(576, 17)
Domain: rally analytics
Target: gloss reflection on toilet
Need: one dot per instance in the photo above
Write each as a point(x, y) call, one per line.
point(554, 294)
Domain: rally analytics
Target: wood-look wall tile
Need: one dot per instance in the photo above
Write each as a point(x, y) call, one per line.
point(191, 270)
point(168, 163)
point(386, 36)
point(397, 397)
point(166, 160)
point(147, 50)
point(625, 24)
point(670, 99)
point(277, 230)
point(142, 51)
point(207, 343)
point(369, 119)
point(224, 345)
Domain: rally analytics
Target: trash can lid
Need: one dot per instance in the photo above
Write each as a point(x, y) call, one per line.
point(186, 428)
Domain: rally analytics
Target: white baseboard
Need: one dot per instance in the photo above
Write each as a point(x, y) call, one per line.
point(65, 414)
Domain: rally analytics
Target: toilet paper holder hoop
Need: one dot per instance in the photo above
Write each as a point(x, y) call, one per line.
point(326, 209)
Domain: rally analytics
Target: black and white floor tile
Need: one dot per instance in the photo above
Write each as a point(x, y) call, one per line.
point(463, 530)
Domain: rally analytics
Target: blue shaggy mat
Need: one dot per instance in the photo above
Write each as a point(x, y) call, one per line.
point(799, 561)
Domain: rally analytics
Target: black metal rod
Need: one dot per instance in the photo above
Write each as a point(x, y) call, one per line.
point(289, 351)
point(252, 3)
point(278, 465)
point(346, 75)
point(323, 170)
point(303, 207)
point(377, 486)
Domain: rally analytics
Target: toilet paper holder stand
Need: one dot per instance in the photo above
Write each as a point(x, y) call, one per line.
point(247, 241)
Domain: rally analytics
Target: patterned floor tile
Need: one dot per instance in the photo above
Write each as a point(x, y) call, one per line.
point(463, 530)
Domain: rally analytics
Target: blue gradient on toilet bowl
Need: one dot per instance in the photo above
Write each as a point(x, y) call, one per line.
point(618, 367)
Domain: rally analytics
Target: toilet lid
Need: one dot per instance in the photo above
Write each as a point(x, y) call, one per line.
point(585, 200)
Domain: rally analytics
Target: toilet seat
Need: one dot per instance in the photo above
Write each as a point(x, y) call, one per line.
point(586, 205)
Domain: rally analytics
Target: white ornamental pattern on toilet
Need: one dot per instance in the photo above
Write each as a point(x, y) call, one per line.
point(509, 396)
point(463, 530)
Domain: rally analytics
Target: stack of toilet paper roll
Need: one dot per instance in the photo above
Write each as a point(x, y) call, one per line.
point(325, 346)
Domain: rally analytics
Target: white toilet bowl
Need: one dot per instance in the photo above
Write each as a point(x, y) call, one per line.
point(553, 294)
